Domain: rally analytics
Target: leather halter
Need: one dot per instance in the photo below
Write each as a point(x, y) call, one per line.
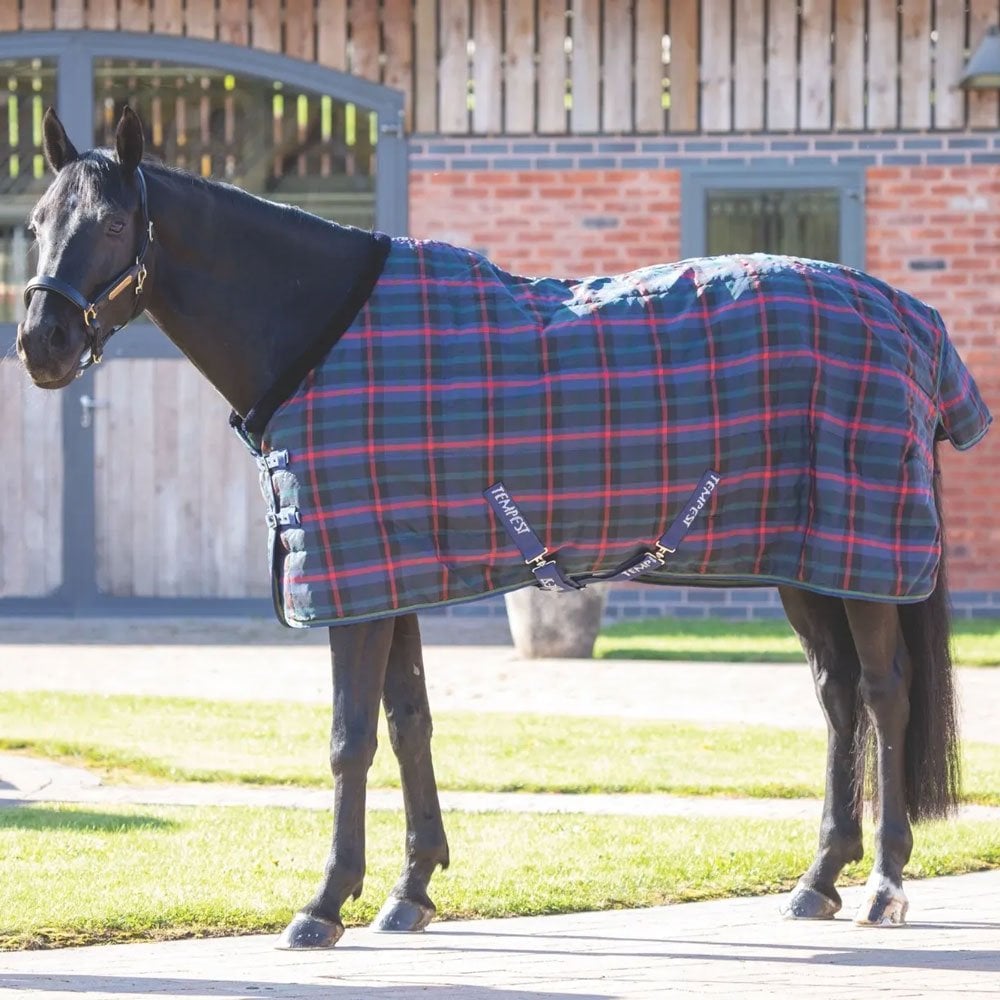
point(95, 310)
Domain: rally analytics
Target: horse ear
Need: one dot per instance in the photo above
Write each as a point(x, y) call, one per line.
point(129, 141)
point(58, 149)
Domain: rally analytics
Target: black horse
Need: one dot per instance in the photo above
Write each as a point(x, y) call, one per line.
point(240, 286)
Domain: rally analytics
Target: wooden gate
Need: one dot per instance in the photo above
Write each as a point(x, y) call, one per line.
point(128, 489)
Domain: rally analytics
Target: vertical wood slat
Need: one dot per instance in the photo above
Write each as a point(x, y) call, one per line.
point(170, 540)
point(617, 113)
point(168, 15)
point(397, 29)
point(716, 67)
point(134, 15)
point(983, 104)
point(199, 20)
point(782, 48)
point(365, 45)
point(265, 25)
point(425, 55)
point(487, 105)
point(551, 66)
point(36, 15)
point(814, 86)
point(519, 67)
point(138, 442)
point(31, 542)
point(748, 66)
point(233, 21)
point(883, 65)
point(453, 75)
point(949, 60)
point(102, 15)
point(33, 517)
point(331, 33)
point(849, 67)
point(300, 37)
point(113, 502)
point(10, 21)
point(915, 65)
point(68, 14)
point(650, 27)
point(12, 558)
point(685, 45)
point(188, 567)
point(585, 66)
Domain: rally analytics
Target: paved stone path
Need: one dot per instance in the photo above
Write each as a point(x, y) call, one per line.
point(467, 668)
point(725, 948)
point(728, 948)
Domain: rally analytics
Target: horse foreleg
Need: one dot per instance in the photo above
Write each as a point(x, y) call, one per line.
point(407, 712)
point(359, 656)
point(886, 674)
point(823, 629)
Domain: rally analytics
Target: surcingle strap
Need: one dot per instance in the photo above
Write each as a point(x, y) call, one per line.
point(544, 566)
point(546, 570)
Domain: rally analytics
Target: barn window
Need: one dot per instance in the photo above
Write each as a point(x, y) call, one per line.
point(29, 87)
point(816, 213)
point(803, 223)
point(277, 140)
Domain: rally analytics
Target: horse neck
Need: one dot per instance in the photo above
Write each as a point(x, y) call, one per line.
point(244, 287)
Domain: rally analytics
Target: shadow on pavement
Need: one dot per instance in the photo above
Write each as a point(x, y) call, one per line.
point(111, 985)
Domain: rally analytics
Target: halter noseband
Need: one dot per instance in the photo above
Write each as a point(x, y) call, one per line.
point(93, 311)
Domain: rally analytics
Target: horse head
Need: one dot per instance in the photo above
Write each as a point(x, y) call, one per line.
point(92, 231)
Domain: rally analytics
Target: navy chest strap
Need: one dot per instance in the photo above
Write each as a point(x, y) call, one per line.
point(543, 564)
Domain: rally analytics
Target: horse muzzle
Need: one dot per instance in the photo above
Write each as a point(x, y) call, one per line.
point(50, 350)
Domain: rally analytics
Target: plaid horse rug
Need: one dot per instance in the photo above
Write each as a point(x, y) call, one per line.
point(745, 420)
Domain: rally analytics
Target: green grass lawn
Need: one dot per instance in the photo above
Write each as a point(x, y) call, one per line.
point(976, 641)
point(139, 739)
point(76, 876)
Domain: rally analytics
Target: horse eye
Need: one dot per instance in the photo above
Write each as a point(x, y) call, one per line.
point(116, 227)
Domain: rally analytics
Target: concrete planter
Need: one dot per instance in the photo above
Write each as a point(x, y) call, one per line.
point(548, 625)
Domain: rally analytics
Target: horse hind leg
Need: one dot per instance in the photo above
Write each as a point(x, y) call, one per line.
point(824, 631)
point(407, 712)
point(359, 655)
point(886, 676)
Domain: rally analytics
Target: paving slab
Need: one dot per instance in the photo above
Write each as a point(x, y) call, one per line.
point(729, 948)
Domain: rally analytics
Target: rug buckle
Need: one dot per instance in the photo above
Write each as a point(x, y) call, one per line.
point(285, 518)
point(537, 562)
point(661, 552)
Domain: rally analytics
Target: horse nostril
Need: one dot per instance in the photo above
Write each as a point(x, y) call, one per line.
point(58, 340)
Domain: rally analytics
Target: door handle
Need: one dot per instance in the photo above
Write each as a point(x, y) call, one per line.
point(87, 406)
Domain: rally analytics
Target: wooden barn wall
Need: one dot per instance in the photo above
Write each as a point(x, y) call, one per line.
point(604, 66)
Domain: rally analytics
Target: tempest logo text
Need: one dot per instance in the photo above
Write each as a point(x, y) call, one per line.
point(703, 497)
point(505, 506)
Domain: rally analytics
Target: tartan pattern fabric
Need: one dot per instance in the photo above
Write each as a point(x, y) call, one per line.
point(816, 391)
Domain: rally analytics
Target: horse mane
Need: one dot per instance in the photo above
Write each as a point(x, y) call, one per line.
point(101, 166)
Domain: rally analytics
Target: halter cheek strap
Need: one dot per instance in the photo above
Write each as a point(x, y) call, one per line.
point(95, 312)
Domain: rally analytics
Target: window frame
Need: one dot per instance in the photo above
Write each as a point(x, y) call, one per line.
point(846, 179)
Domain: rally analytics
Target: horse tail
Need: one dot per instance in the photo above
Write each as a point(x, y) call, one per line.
point(932, 758)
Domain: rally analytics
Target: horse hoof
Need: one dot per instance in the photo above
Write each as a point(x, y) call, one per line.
point(807, 903)
point(401, 916)
point(305, 932)
point(886, 906)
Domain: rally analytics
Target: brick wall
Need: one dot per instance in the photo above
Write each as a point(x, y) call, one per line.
point(935, 231)
point(562, 222)
point(932, 206)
